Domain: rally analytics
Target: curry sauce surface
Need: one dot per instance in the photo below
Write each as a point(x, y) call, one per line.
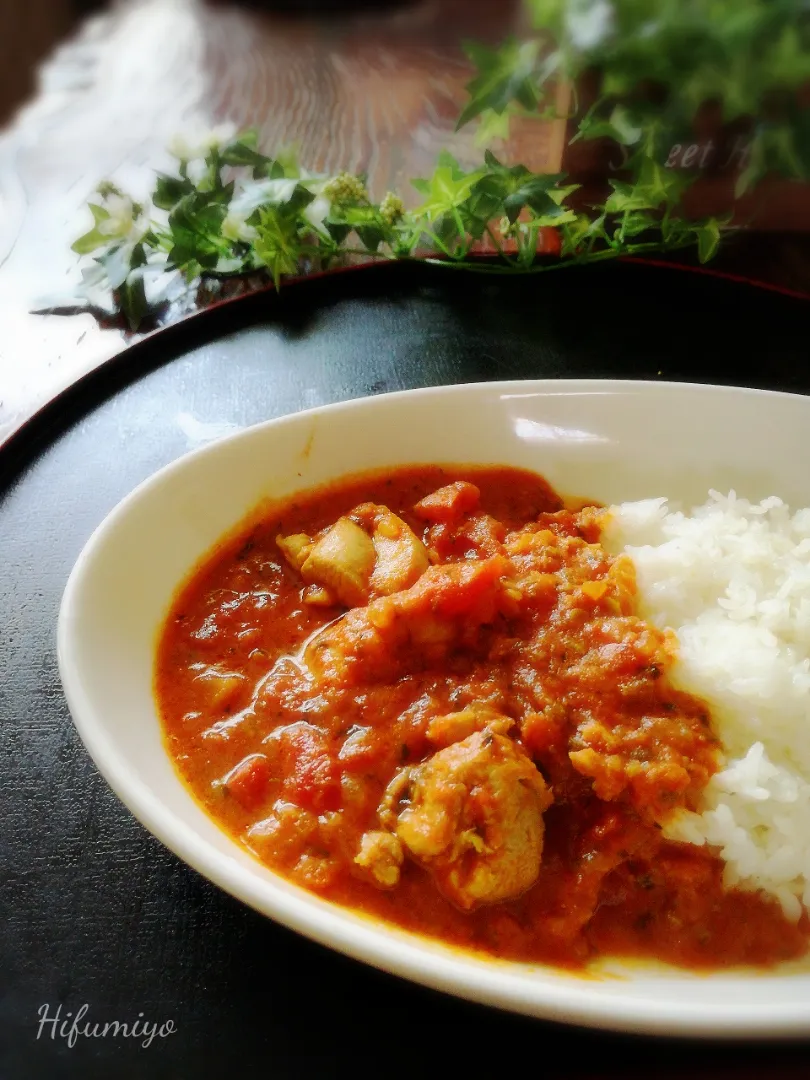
point(295, 765)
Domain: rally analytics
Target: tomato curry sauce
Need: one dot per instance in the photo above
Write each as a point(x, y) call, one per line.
point(425, 695)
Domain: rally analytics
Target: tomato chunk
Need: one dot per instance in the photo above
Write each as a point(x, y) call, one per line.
point(310, 774)
point(247, 782)
point(450, 503)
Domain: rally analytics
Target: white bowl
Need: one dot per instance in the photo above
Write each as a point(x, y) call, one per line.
point(608, 441)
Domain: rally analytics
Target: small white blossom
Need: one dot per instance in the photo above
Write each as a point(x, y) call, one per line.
point(95, 288)
point(229, 266)
point(346, 188)
point(317, 211)
point(256, 193)
point(198, 143)
point(127, 221)
point(235, 227)
point(162, 286)
point(117, 265)
point(392, 208)
point(589, 24)
point(196, 171)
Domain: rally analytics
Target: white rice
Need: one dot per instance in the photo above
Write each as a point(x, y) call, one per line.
point(732, 579)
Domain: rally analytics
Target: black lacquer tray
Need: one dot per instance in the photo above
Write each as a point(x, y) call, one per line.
point(93, 911)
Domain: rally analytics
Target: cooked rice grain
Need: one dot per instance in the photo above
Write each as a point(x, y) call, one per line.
point(732, 579)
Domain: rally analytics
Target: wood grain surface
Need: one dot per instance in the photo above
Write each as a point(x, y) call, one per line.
point(371, 85)
point(375, 87)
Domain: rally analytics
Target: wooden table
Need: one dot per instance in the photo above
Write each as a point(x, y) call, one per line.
point(378, 90)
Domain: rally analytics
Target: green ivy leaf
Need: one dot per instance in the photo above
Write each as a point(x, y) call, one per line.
point(634, 223)
point(446, 228)
point(91, 241)
point(788, 58)
point(94, 239)
point(261, 165)
point(619, 126)
point(627, 196)
point(447, 189)
point(479, 210)
point(492, 125)
point(504, 75)
point(338, 230)
point(195, 226)
point(708, 239)
point(138, 256)
point(100, 213)
point(286, 164)
point(355, 217)
point(549, 14)
point(654, 186)
point(132, 300)
point(581, 232)
point(779, 149)
point(298, 201)
point(560, 192)
point(534, 193)
point(572, 234)
point(277, 244)
point(371, 236)
point(516, 187)
point(556, 216)
point(199, 216)
point(184, 259)
point(169, 190)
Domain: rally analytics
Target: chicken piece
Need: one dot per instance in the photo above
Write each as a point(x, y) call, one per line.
point(453, 727)
point(295, 548)
point(342, 561)
point(448, 605)
point(401, 557)
point(473, 818)
point(381, 856)
point(368, 554)
point(318, 596)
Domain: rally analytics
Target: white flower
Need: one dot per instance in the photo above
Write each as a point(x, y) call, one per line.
point(229, 266)
point(258, 193)
point(117, 265)
point(127, 221)
point(199, 142)
point(196, 170)
point(255, 193)
point(94, 287)
point(162, 286)
point(589, 23)
point(235, 227)
point(317, 212)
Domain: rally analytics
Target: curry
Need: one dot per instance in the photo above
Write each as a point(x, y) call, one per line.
point(426, 696)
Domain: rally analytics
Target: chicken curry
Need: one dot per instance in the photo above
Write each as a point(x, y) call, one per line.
point(426, 695)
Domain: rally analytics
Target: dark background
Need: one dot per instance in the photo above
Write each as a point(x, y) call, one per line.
point(92, 908)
